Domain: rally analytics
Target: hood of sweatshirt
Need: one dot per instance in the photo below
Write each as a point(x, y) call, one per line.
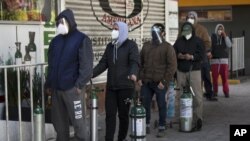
point(123, 33)
point(217, 27)
point(193, 14)
point(69, 17)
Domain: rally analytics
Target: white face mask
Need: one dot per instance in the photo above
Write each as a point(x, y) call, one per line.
point(63, 28)
point(115, 34)
point(188, 36)
point(190, 20)
point(219, 32)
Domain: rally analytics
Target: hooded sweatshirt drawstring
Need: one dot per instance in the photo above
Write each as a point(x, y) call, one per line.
point(115, 51)
point(123, 36)
point(219, 40)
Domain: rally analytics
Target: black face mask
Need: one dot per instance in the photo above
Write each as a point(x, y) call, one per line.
point(156, 37)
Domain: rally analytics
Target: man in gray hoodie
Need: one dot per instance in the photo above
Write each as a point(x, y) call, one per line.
point(121, 58)
point(219, 62)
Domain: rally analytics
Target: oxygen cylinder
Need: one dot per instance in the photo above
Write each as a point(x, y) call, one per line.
point(138, 122)
point(38, 123)
point(186, 110)
point(171, 103)
point(93, 117)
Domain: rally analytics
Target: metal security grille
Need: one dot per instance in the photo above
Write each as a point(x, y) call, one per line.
point(94, 18)
point(238, 53)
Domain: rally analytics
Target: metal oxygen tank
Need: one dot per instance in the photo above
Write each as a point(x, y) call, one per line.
point(138, 121)
point(93, 115)
point(38, 123)
point(171, 103)
point(186, 110)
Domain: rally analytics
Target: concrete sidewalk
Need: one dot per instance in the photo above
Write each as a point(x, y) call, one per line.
point(218, 116)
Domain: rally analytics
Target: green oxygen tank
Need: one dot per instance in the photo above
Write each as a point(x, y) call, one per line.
point(38, 123)
point(186, 110)
point(32, 47)
point(27, 57)
point(18, 54)
point(138, 122)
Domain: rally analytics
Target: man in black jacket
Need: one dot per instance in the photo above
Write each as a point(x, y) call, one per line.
point(190, 51)
point(201, 32)
point(121, 58)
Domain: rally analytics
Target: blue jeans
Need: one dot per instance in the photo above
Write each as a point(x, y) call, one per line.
point(147, 92)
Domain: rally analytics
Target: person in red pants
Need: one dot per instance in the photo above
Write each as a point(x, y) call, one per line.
point(219, 62)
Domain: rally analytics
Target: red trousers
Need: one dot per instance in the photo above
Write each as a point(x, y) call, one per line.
point(222, 70)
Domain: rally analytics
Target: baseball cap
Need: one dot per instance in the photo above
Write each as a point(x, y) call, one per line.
point(187, 29)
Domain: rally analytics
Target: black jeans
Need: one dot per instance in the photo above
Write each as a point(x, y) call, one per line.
point(117, 100)
point(205, 75)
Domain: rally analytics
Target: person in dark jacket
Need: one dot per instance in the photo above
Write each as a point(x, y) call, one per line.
point(121, 58)
point(158, 66)
point(190, 51)
point(202, 33)
point(219, 62)
point(70, 65)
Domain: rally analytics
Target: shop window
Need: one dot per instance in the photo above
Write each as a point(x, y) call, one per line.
point(208, 14)
point(27, 10)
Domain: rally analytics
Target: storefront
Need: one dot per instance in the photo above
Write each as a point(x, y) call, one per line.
point(25, 21)
point(23, 25)
point(230, 13)
point(27, 27)
point(95, 17)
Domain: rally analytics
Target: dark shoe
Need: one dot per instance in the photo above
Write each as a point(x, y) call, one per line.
point(123, 140)
point(198, 126)
point(161, 133)
point(212, 99)
point(148, 130)
point(226, 95)
point(204, 94)
point(215, 94)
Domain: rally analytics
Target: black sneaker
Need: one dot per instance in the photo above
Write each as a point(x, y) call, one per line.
point(226, 95)
point(204, 94)
point(215, 94)
point(123, 140)
point(198, 126)
point(212, 99)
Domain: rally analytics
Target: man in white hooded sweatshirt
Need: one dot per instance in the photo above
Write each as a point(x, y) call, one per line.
point(219, 62)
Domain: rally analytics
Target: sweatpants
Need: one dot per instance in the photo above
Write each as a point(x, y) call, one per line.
point(68, 107)
point(220, 69)
point(117, 100)
point(195, 82)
